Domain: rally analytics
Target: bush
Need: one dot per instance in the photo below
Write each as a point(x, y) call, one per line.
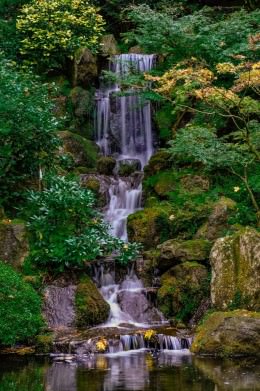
point(20, 308)
point(51, 31)
point(65, 229)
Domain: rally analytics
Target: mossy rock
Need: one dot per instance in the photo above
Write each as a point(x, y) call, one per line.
point(82, 102)
point(236, 270)
point(234, 333)
point(159, 161)
point(175, 251)
point(182, 289)
point(84, 152)
point(44, 343)
point(91, 308)
point(149, 226)
point(195, 183)
point(106, 165)
point(85, 71)
point(109, 46)
point(14, 245)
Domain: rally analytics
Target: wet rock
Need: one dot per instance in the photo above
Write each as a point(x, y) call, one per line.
point(175, 251)
point(109, 45)
point(235, 333)
point(218, 220)
point(14, 245)
point(85, 70)
point(59, 305)
point(182, 290)
point(236, 271)
point(127, 167)
point(91, 308)
point(138, 307)
point(106, 165)
point(83, 152)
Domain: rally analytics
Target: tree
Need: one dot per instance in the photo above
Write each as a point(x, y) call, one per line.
point(27, 130)
point(52, 30)
point(65, 229)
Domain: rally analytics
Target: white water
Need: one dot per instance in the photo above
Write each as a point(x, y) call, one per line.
point(124, 130)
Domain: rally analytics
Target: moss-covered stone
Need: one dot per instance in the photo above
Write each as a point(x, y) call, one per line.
point(91, 308)
point(149, 226)
point(195, 183)
point(235, 262)
point(182, 289)
point(175, 251)
point(232, 333)
point(82, 102)
point(44, 343)
point(217, 222)
point(106, 165)
point(158, 162)
point(109, 45)
point(13, 242)
point(85, 70)
point(84, 152)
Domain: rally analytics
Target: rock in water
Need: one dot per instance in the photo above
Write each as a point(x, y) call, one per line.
point(233, 333)
point(235, 262)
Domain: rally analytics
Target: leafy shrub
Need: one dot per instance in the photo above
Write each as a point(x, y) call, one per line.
point(27, 130)
point(65, 229)
point(20, 308)
point(51, 31)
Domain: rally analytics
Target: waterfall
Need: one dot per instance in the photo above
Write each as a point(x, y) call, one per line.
point(124, 130)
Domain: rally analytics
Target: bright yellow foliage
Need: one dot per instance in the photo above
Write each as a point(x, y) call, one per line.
point(149, 334)
point(102, 345)
point(54, 29)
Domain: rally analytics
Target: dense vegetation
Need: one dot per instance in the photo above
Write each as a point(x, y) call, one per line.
point(205, 94)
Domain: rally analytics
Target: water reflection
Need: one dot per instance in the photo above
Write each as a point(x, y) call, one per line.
point(166, 371)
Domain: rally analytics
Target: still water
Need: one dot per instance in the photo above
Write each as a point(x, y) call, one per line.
point(168, 371)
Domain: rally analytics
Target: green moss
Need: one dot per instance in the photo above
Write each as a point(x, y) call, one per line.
point(149, 226)
point(44, 343)
point(159, 161)
point(91, 308)
point(106, 165)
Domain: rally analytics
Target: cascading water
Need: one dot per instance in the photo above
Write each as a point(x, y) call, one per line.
point(124, 130)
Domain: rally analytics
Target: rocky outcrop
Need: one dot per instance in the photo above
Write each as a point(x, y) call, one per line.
point(217, 222)
point(182, 290)
point(85, 70)
point(91, 308)
point(175, 251)
point(235, 333)
point(195, 183)
point(106, 165)
point(83, 152)
point(109, 46)
point(13, 242)
point(235, 262)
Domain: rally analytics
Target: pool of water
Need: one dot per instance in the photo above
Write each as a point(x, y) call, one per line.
point(166, 371)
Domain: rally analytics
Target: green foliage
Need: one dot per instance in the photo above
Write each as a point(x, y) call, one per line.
point(52, 31)
point(27, 129)
point(20, 308)
point(65, 229)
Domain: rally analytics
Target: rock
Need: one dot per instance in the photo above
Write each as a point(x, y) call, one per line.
point(91, 308)
point(127, 167)
point(85, 70)
point(136, 50)
point(106, 165)
point(14, 245)
point(175, 251)
point(84, 152)
point(235, 333)
point(218, 220)
point(109, 45)
point(182, 290)
point(149, 226)
point(99, 184)
point(82, 102)
point(235, 262)
point(159, 161)
point(44, 343)
point(195, 183)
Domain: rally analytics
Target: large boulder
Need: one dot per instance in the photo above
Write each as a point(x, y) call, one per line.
point(91, 308)
point(85, 70)
point(235, 262)
point(175, 251)
point(149, 226)
point(13, 242)
point(83, 152)
point(182, 290)
point(109, 45)
point(234, 333)
point(217, 221)
point(159, 161)
point(195, 183)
